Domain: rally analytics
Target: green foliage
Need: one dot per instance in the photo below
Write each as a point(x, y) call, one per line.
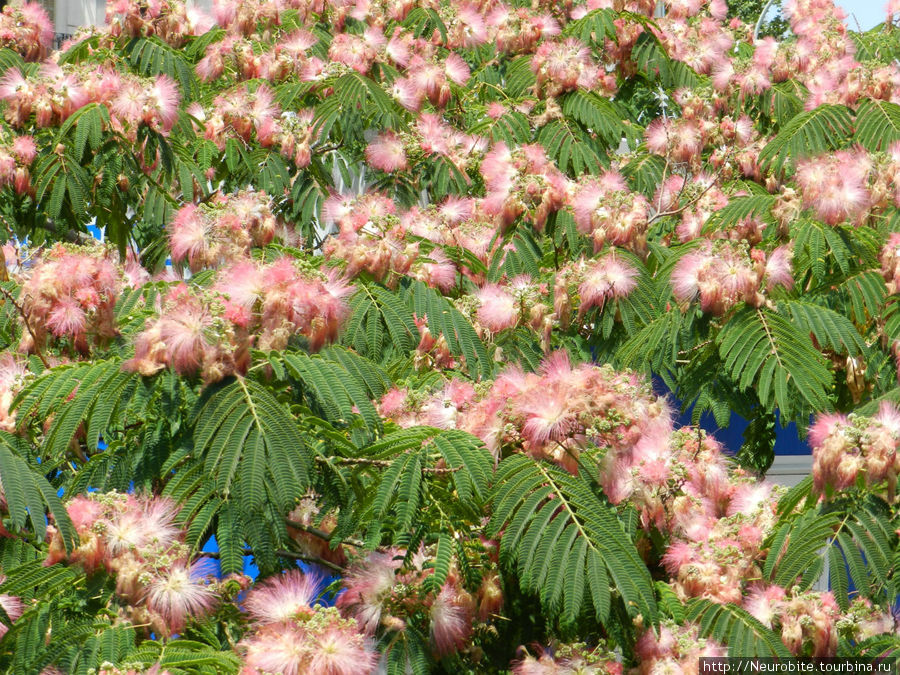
point(764, 350)
point(808, 133)
point(877, 124)
point(565, 543)
point(250, 445)
point(29, 495)
point(734, 626)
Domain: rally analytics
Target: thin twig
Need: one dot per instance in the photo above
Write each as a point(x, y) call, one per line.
point(24, 315)
point(673, 212)
point(382, 463)
point(323, 535)
point(215, 555)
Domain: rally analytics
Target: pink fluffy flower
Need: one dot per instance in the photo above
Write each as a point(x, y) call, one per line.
point(607, 277)
point(285, 597)
point(145, 522)
point(498, 310)
point(163, 100)
point(277, 648)
point(338, 650)
point(67, 318)
point(13, 608)
point(368, 585)
point(386, 153)
point(778, 269)
point(457, 70)
point(178, 593)
point(451, 619)
point(188, 235)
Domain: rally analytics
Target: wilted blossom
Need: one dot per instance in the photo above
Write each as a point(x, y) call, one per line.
point(308, 515)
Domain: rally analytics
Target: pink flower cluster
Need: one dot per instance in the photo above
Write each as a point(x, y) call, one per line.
point(703, 123)
point(250, 305)
point(677, 649)
point(12, 606)
point(382, 594)
point(806, 621)
point(222, 231)
point(55, 92)
point(16, 155)
point(247, 18)
point(254, 115)
point(715, 518)
point(557, 413)
point(581, 285)
point(520, 301)
point(293, 635)
point(457, 222)
point(522, 181)
point(371, 239)
point(821, 57)
point(436, 137)
point(287, 56)
point(836, 186)
point(722, 274)
point(607, 211)
point(12, 375)
point(71, 293)
point(569, 659)
point(26, 28)
point(715, 552)
point(172, 21)
point(849, 449)
point(890, 262)
point(566, 65)
point(136, 540)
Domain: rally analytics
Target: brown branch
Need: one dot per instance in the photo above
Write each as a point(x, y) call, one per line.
point(24, 315)
point(215, 555)
point(322, 534)
point(696, 199)
point(365, 461)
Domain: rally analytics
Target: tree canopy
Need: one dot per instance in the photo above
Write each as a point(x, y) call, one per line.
point(412, 294)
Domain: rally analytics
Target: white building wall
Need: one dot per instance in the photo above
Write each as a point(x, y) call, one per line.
point(70, 15)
